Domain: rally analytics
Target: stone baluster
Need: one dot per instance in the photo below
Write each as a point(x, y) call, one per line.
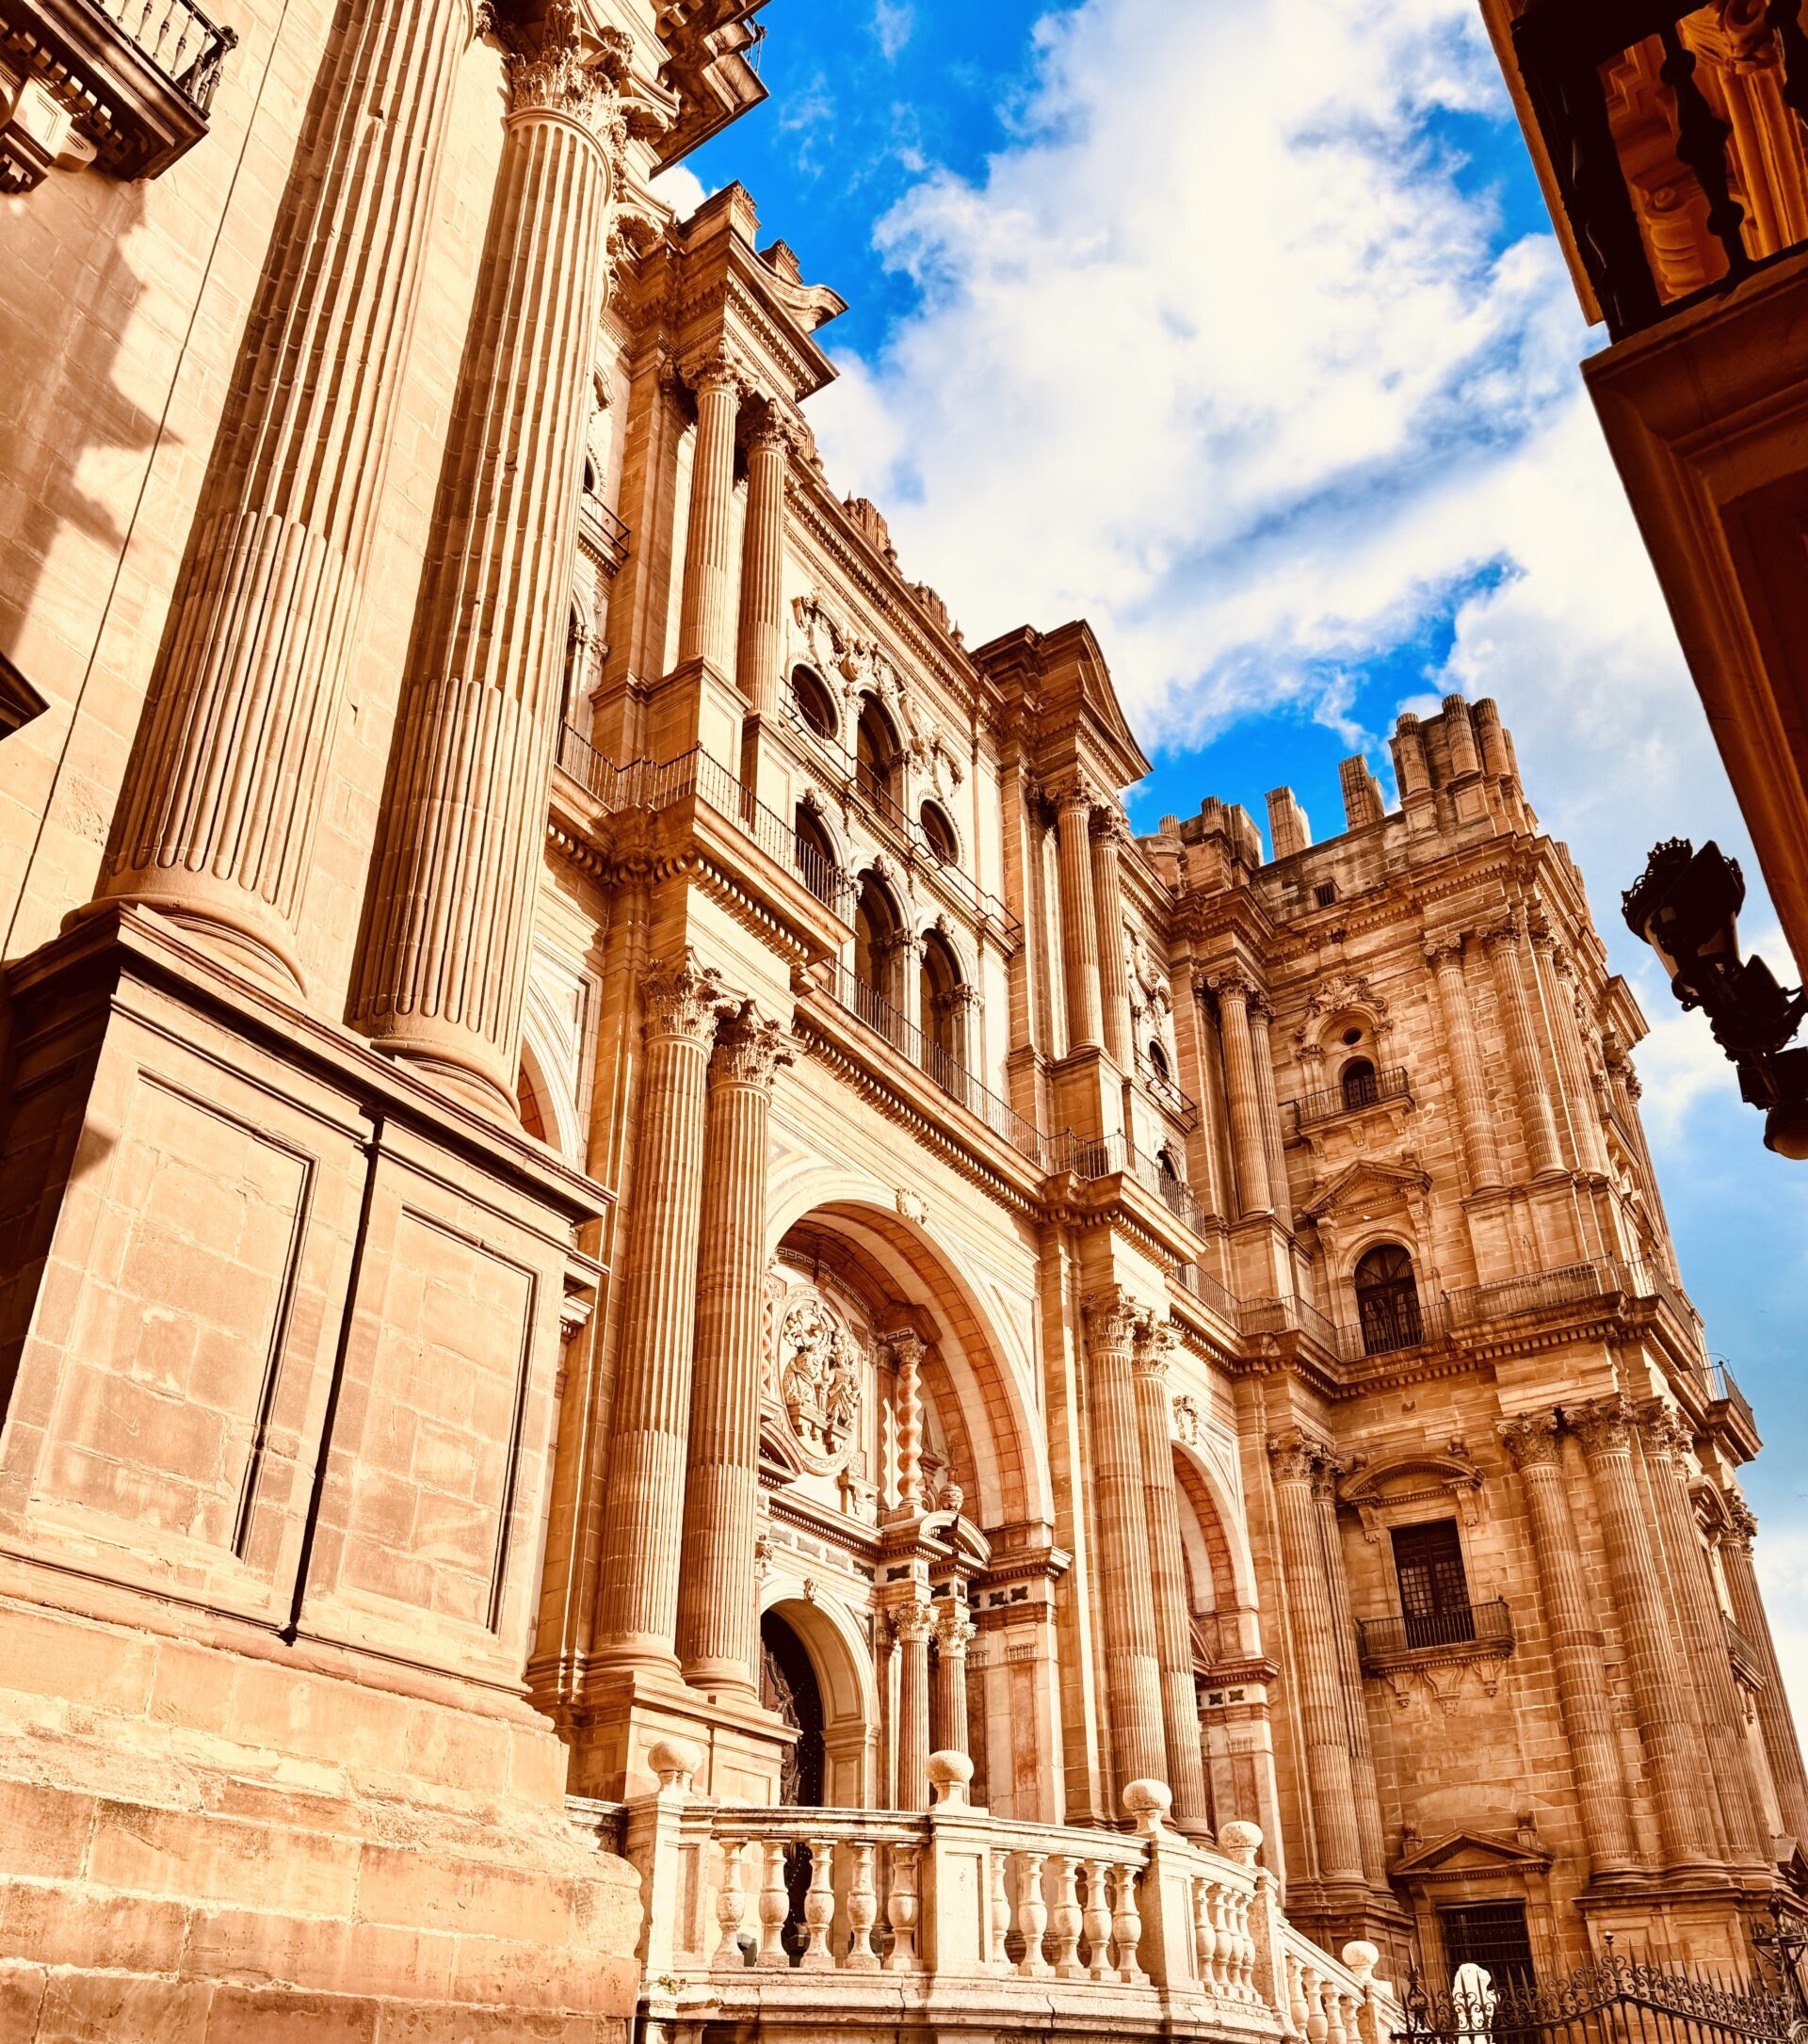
point(1504, 944)
point(1296, 2010)
point(1343, 1628)
point(1168, 1579)
point(912, 1625)
point(1205, 1954)
point(819, 1907)
point(442, 968)
point(1126, 1926)
point(1534, 1444)
point(707, 617)
point(954, 1629)
point(902, 1910)
point(1109, 839)
point(719, 1638)
point(1065, 1917)
point(1000, 1904)
point(1776, 1724)
point(1032, 1914)
point(1235, 991)
point(1722, 1717)
point(1331, 1790)
point(643, 1511)
point(1097, 1922)
point(731, 1902)
point(863, 1910)
point(1079, 920)
point(1474, 1109)
point(1126, 1596)
point(1273, 1144)
point(217, 816)
point(759, 659)
point(775, 1906)
point(1677, 1763)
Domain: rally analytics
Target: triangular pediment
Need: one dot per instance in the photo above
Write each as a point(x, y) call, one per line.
point(1368, 1181)
point(1470, 1852)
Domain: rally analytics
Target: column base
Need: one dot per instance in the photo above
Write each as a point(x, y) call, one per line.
point(625, 1710)
point(230, 925)
point(437, 1058)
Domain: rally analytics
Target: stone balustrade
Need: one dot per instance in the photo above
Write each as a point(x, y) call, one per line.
point(785, 1916)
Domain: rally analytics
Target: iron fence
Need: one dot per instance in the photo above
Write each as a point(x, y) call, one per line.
point(179, 39)
point(1384, 1640)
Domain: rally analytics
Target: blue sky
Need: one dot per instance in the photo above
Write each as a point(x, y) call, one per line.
point(1240, 330)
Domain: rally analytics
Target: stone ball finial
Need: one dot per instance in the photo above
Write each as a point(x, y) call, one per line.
point(949, 1773)
point(1240, 1841)
point(675, 1762)
point(1361, 1958)
point(1148, 1802)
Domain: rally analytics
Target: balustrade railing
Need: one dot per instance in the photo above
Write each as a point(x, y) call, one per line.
point(1209, 1290)
point(1488, 1627)
point(178, 38)
point(1369, 1089)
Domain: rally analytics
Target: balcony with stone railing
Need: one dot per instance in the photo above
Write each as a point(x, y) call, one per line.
point(126, 84)
point(879, 1921)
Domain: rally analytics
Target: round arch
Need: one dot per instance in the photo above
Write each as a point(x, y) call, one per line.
point(1212, 1531)
point(842, 1662)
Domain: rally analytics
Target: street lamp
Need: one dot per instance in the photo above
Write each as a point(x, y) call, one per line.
point(1685, 907)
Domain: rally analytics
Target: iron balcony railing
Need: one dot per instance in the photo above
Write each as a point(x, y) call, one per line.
point(1650, 149)
point(1107, 1156)
point(1368, 1090)
point(601, 530)
point(178, 39)
point(1287, 1315)
point(1725, 1390)
point(1741, 1649)
point(1383, 1641)
point(1208, 1290)
point(1167, 1095)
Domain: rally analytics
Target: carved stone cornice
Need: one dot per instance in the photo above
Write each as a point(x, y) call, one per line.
point(684, 1000)
point(749, 1050)
point(1604, 1425)
point(1112, 1319)
point(1532, 1440)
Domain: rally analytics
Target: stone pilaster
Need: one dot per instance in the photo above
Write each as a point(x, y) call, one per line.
point(1505, 948)
point(1775, 1722)
point(759, 654)
point(1186, 1774)
point(1677, 1763)
point(1585, 1113)
point(954, 1629)
point(719, 1638)
point(1273, 1147)
point(1108, 896)
point(1133, 1670)
point(1349, 1673)
point(1329, 1793)
point(1242, 1092)
point(1482, 1154)
point(1534, 1443)
point(912, 1625)
point(1079, 920)
point(643, 1509)
point(215, 820)
point(707, 616)
point(443, 963)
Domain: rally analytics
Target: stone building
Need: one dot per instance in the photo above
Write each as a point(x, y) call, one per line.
point(669, 1307)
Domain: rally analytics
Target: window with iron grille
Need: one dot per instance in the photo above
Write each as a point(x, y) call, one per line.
point(1434, 1590)
point(1387, 1300)
point(1491, 1934)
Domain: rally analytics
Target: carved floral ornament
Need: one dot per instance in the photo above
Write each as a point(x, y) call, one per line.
point(1349, 991)
point(554, 66)
point(1373, 1487)
point(819, 1369)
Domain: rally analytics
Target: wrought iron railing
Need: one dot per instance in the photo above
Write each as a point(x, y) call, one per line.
point(1726, 1390)
point(1740, 1646)
point(1208, 1290)
point(178, 38)
point(1167, 1095)
point(1107, 1156)
point(1655, 137)
point(1487, 1626)
point(602, 530)
point(1288, 1314)
point(1367, 1091)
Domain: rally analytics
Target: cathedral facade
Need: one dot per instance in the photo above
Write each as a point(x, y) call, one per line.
point(679, 1334)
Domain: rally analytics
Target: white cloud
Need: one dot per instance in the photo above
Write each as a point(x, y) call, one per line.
point(1781, 1556)
point(893, 21)
point(681, 189)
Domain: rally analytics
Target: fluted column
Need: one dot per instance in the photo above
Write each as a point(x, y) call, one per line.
point(1530, 1084)
point(216, 817)
point(1330, 1786)
point(1585, 1113)
point(1349, 1673)
point(1482, 1154)
point(1534, 1443)
point(1677, 1763)
point(954, 1629)
point(443, 964)
point(1114, 980)
point(1079, 920)
point(1127, 1598)
point(1273, 1147)
point(719, 1627)
point(1722, 1719)
point(644, 1503)
point(760, 653)
point(1242, 1093)
point(912, 1625)
point(1776, 1724)
point(1186, 1774)
point(707, 616)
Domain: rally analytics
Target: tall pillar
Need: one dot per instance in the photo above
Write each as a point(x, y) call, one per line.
point(954, 1629)
point(1776, 1724)
point(1108, 896)
point(1530, 1086)
point(1329, 1785)
point(1134, 1687)
point(1677, 1763)
point(908, 1349)
point(1242, 1094)
point(1444, 954)
point(1186, 1774)
point(718, 1623)
point(1722, 1718)
point(217, 816)
point(1585, 1113)
point(1350, 1672)
point(1534, 1443)
point(912, 1625)
point(644, 1503)
point(759, 655)
point(1079, 923)
point(707, 617)
point(1273, 1148)
point(442, 970)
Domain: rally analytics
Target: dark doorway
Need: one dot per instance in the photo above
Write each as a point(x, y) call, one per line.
point(1387, 1301)
point(1490, 1934)
point(789, 1689)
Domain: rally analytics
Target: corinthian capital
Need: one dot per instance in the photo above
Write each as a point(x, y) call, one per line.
point(1665, 1431)
point(1112, 1318)
point(953, 1630)
point(1156, 1341)
point(1506, 931)
point(912, 1621)
point(750, 1050)
point(684, 999)
point(1233, 983)
point(1604, 1425)
point(551, 70)
point(1531, 1439)
point(1443, 948)
point(1295, 1455)
point(1741, 1522)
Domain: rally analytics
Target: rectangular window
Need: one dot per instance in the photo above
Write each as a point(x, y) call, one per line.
point(1490, 1934)
point(1325, 893)
point(1434, 1591)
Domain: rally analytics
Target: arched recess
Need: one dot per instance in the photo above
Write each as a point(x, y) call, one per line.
point(843, 1660)
point(978, 1376)
point(559, 1124)
point(1219, 1567)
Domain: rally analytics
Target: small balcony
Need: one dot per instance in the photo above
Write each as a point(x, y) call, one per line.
point(124, 84)
point(600, 532)
point(1445, 1632)
point(1747, 1664)
point(1359, 1093)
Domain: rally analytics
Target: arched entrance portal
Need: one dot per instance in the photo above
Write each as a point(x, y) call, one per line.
point(789, 1689)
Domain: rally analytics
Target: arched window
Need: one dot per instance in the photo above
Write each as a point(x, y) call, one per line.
point(1164, 1164)
point(815, 705)
point(527, 1107)
point(590, 476)
point(816, 854)
point(878, 954)
point(940, 985)
point(573, 666)
point(1359, 1083)
point(1158, 1059)
point(939, 830)
point(1387, 1300)
point(877, 754)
